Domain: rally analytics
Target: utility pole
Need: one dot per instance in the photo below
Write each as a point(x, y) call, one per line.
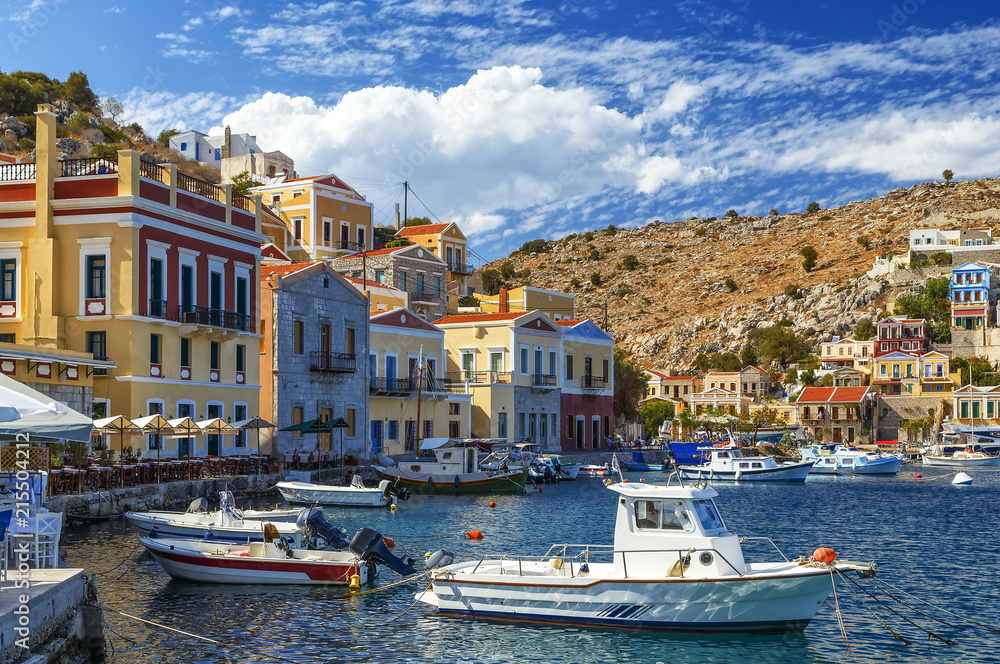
point(406, 191)
point(420, 372)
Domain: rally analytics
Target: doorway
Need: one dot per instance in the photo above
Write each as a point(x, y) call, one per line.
point(595, 426)
point(580, 442)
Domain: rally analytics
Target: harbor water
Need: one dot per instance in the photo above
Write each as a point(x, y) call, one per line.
point(933, 539)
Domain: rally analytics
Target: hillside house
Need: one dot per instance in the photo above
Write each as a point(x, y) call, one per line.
point(971, 295)
point(896, 333)
point(836, 414)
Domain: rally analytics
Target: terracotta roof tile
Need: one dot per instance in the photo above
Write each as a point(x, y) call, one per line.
point(480, 318)
point(832, 394)
point(426, 229)
point(570, 323)
point(283, 270)
point(369, 283)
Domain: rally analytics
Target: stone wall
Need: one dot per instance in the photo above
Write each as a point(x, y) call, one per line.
point(892, 411)
point(981, 343)
point(528, 401)
point(391, 265)
point(77, 397)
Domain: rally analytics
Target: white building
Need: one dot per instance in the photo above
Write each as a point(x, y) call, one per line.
point(210, 149)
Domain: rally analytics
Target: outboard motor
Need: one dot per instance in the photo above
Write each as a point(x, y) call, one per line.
point(440, 558)
point(197, 505)
point(312, 521)
point(368, 544)
point(390, 490)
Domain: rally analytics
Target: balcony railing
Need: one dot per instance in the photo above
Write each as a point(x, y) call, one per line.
point(457, 377)
point(157, 309)
point(322, 360)
point(100, 371)
point(199, 187)
point(241, 202)
point(588, 381)
point(346, 245)
point(543, 380)
point(197, 315)
point(151, 170)
point(14, 172)
point(381, 385)
point(88, 166)
point(425, 296)
point(461, 268)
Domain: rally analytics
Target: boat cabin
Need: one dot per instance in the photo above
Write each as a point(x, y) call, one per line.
point(673, 531)
point(451, 456)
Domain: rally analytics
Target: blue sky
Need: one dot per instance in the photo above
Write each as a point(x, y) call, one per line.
point(523, 119)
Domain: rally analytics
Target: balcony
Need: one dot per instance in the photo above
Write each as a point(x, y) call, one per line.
point(424, 298)
point(591, 382)
point(543, 380)
point(460, 268)
point(453, 378)
point(193, 314)
point(390, 386)
point(157, 309)
point(326, 361)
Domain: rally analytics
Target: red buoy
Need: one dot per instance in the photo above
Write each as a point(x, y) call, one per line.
point(824, 555)
point(473, 534)
point(917, 476)
point(492, 504)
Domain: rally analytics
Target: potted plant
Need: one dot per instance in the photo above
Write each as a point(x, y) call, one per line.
point(350, 460)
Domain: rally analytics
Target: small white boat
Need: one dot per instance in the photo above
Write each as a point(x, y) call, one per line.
point(567, 471)
point(961, 458)
point(674, 566)
point(274, 561)
point(356, 494)
point(227, 524)
point(452, 471)
point(848, 460)
point(729, 464)
point(226, 499)
point(594, 470)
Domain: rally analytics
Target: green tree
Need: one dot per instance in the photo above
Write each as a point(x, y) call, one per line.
point(726, 362)
point(77, 90)
point(777, 344)
point(113, 109)
point(103, 151)
point(417, 221)
point(731, 284)
point(630, 262)
point(773, 212)
point(508, 271)
point(809, 254)
point(812, 207)
point(947, 174)
point(382, 235)
point(595, 278)
point(164, 137)
point(630, 386)
point(243, 182)
point(864, 242)
point(864, 329)
point(533, 246)
point(731, 213)
point(611, 229)
point(468, 301)
point(655, 413)
point(748, 356)
point(574, 282)
point(588, 236)
point(792, 291)
point(807, 377)
point(397, 242)
point(492, 281)
point(18, 97)
point(827, 380)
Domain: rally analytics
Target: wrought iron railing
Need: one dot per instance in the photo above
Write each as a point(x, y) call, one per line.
point(543, 380)
point(593, 382)
point(14, 172)
point(453, 377)
point(88, 166)
point(322, 360)
point(380, 385)
point(200, 187)
point(157, 309)
point(425, 296)
point(461, 268)
point(198, 315)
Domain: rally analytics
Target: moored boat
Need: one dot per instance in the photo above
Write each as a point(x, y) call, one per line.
point(226, 524)
point(965, 458)
point(729, 464)
point(226, 500)
point(674, 566)
point(849, 460)
point(453, 470)
point(639, 463)
point(594, 470)
point(356, 494)
point(565, 470)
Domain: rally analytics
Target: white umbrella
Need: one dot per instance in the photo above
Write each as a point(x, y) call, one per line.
point(27, 411)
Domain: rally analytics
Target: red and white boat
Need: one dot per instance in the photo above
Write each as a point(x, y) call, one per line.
point(257, 562)
point(594, 470)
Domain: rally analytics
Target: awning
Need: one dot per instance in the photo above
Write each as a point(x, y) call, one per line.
point(968, 312)
point(433, 443)
point(12, 354)
point(27, 411)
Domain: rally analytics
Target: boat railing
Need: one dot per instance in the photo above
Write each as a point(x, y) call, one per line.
point(769, 541)
point(577, 555)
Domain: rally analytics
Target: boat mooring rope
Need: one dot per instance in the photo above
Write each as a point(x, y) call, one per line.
point(896, 635)
point(836, 604)
point(391, 585)
point(939, 608)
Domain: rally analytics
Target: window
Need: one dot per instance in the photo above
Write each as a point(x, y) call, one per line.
point(297, 229)
point(8, 280)
point(660, 515)
point(420, 284)
point(296, 419)
point(569, 367)
point(154, 348)
point(402, 281)
point(96, 267)
point(214, 355)
point(552, 362)
point(327, 233)
point(708, 515)
point(8, 338)
point(520, 425)
point(454, 429)
point(605, 367)
point(184, 146)
point(468, 362)
point(240, 414)
point(380, 276)
point(454, 409)
point(298, 340)
point(349, 341)
point(501, 425)
point(361, 237)
point(524, 360)
point(185, 352)
point(275, 198)
point(241, 354)
point(569, 426)
point(428, 429)
point(392, 430)
point(349, 416)
point(218, 154)
point(496, 361)
point(553, 424)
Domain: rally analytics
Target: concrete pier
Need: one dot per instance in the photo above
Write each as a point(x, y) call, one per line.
point(44, 618)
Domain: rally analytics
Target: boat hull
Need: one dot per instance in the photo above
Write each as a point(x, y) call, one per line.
point(775, 604)
point(569, 473)
point(336, 496)
point(646, 467)
point(888, 466)
point(795, 472)
point(594, 471)
point(461, 484)
point(930, 460)
point(253, 532)
point(194, 565)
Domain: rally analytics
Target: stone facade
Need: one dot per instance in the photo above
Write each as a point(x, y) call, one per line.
point(313, 313)
point(530, 401)
point(891, 412)
point(77, 397)
point(429, 300)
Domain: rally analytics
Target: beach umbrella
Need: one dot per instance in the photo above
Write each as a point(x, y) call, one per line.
point(121, 425)
point(255, 423)
point(216, 426)
point(339, 423)
point(27, 411)
point(156, 425)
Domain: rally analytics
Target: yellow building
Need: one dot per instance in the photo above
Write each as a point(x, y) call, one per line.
point(399, 339)
point(316, 218)
point(784, 413)
point(557, 306)
point(382, 296)
point(847, 353)
point(70, 377)
point(913, 374)
point(135, 263)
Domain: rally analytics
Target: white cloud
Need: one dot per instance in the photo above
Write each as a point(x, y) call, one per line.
point(160, 110)
point(115, 9)
point(675, 100)
point(174, 37)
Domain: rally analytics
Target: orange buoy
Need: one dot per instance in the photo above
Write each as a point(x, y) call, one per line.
point(917, 476)
point(625, 480)
point(492, 504)
point(824, 555)
point(539, 489)
point(641, 480)
point(389, 542)
point(473, 534)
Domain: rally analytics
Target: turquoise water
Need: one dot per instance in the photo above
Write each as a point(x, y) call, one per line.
point(933, 539)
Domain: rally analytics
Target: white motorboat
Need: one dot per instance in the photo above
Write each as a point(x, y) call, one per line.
point(356, 494)
point(226, 499)
point(594, 470)
point(968, 457)
point(674, 566)
point(227, 524)
point(274, 561)
point(453, 470)
point(843, 459)
point(729, 464)
point(566, 471)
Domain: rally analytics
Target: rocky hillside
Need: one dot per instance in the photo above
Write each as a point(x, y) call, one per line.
point(711, 280)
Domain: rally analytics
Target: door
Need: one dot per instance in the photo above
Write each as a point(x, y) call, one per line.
point(390, 372)
point(215, 298)
point(836, 435)
point(376, 437)
point(345, 237)
point(241, 296)
point(595, 430)
point(156, 304)
point(531, 428)
point(325, 442)
point(543, 429)
point(187, 287)
point(324, 343)
point(184, 444)
point(580, 442)
point(214, 410)
point(411, 435)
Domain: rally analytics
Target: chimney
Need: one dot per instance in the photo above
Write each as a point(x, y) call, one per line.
point(227, 144)
point(504, 307)
point(397, 216)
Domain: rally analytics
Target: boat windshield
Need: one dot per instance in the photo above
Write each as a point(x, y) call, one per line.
point(708, 515)
point(662, 515)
